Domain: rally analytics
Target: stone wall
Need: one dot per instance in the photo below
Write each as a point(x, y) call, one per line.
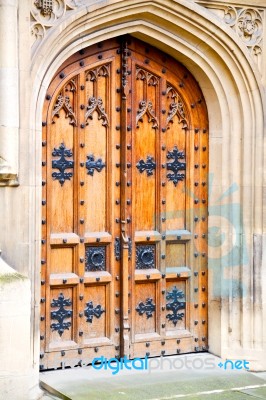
point(15, 367)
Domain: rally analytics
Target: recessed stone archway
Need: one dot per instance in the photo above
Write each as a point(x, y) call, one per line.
point(220, 63)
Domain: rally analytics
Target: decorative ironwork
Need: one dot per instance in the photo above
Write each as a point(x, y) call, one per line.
point(148, 165)
point(117, 248)
point(62, 164)
point(175, 165)
point(148, 307)
point(91, 311)
point(46, 6)
point(129, 248)
point(63, 102)
point(145, 107)
point(61, 314)
point(91, 164)
point(96, 105)
point(175, 305)
point(125, 73)
point(95, 258)
point(145, 257)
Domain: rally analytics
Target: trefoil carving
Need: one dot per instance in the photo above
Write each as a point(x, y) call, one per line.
point(176, 108)
point(96, 105)
point(94, 74)
point(142, 74)
point(63, 102)
point(145, 107)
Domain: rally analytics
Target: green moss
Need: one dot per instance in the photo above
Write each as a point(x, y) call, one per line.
point(9, 278)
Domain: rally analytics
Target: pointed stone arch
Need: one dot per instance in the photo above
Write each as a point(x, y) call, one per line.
point(231, 86)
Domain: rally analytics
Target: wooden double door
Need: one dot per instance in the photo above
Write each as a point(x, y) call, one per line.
point(124, 222)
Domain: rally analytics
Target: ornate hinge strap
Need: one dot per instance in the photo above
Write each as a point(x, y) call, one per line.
point(92, 311)
point(149, 165)
point(62, 164)
point(93, 164)
point(61, 314)
point(146, 308)
point(175, 305)
point(175, 166)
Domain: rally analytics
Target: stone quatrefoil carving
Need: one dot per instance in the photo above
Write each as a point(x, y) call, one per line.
point(45, 14)
point(248, 24)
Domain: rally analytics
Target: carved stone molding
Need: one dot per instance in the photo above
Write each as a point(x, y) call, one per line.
point(247, 22)
point(45, 14)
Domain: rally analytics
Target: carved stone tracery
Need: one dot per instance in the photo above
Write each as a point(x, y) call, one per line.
point(247, 22)
point(45, 14)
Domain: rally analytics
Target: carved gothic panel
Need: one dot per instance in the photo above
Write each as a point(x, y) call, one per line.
point(145, 107)
point(94, 74)
point(96, 105)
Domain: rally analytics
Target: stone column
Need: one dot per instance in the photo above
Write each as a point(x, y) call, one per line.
point(9, 90)
point(15, 303)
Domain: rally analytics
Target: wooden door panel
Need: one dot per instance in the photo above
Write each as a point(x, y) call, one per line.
point(79, 228)
point(124, 226)
point(63, 332)
point(146, 316)
point(97, 313)
point(144, 144)
point(163, 251)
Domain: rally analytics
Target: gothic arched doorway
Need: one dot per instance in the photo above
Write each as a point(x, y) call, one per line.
point(124, 227)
